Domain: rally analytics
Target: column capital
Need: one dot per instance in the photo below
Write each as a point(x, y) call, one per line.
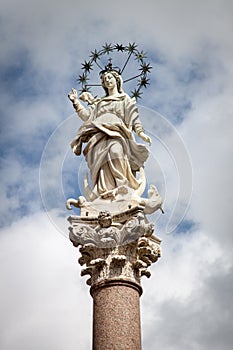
point(115, 248)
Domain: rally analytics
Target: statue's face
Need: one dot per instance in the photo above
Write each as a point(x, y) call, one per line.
point(109, 81)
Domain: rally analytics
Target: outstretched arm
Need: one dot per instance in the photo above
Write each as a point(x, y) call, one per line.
point(81, 111)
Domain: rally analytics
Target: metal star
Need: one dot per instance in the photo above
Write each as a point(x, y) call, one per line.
point(145, 68)
point(95, 55)
point(119, 47)
point(136, 93)
point(131, 48)
point(140, 56)
point(144, 82)
point(82, 78)
point(85, 89)
point(87, 66)
point(107, 48)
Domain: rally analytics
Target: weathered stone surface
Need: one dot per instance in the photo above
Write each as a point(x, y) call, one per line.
point(115, 247)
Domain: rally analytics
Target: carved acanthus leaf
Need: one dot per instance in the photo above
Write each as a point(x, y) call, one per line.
point(112, 250)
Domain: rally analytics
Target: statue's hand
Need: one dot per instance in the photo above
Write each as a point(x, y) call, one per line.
point(73, 96)
point(86, 97)
point(145, 137)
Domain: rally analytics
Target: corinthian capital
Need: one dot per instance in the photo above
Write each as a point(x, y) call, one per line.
point(118, 247)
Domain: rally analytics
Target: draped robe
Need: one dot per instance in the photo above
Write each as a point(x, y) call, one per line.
point(112, 154)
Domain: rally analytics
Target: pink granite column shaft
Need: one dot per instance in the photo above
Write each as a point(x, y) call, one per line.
point(116, 316)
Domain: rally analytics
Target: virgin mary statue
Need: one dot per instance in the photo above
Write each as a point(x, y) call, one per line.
point(106, 137)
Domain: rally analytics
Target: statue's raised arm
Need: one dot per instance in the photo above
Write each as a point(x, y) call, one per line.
point(82, 112)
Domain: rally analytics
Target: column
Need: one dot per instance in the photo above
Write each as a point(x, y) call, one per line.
point(115, 252)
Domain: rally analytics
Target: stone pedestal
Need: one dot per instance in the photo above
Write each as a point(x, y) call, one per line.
point(116, 251)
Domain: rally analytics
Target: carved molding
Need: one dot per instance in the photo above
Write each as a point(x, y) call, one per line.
point(115, 247)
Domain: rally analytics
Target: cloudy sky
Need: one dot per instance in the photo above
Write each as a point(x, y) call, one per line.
point(187, 109)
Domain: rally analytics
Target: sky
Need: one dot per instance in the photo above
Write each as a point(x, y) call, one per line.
point(186, 109)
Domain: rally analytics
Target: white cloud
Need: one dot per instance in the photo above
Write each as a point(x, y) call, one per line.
point(44, 301)
point(183, 304)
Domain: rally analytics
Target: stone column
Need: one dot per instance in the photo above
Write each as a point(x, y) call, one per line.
point(116, 251)
point(116, 316)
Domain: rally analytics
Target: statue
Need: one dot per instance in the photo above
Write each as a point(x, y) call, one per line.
point(111, 152)
point(107, 140)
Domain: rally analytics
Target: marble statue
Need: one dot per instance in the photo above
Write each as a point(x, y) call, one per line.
point(112, 154)
point(106, 137)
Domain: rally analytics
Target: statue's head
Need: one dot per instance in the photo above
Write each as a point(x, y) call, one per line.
point(117, 78)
